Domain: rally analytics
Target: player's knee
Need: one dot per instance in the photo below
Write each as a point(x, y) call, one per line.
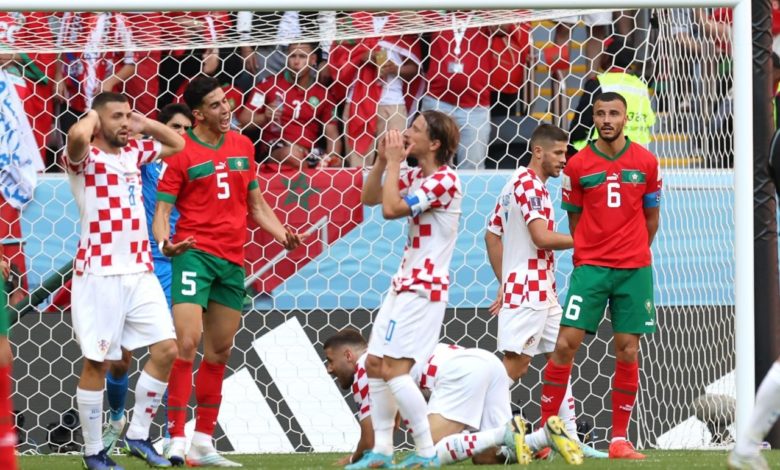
point(188, 346)
point(627, 352)
point(165, 352)
point(516, 366)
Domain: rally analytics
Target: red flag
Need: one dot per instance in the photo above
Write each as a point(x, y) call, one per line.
point(325, 202)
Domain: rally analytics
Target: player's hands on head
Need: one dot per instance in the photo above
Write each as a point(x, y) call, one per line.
point(171, 249)
point(137, 123)
point(495, 307)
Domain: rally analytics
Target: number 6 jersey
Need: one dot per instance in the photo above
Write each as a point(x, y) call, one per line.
point(209, 184)
point(611, 194)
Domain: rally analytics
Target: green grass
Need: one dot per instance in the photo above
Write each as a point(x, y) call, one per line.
point(655, 460)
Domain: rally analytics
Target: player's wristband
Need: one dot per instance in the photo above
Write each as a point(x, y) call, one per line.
point(161, 245)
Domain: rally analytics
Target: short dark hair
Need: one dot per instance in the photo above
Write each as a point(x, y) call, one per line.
point(346, 337)
point(547, 133)
point(198, 88)
point(172, 109)
point(608, 96)
point(443, 128)
point(106, 97)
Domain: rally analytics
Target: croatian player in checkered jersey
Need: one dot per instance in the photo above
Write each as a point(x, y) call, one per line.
point(469, 391)
point(407, 327)
point(520, 240)
point(117, 301)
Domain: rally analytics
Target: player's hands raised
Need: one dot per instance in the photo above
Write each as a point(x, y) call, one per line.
point(171, 249)
point(137, 124)
point(495, 307)
point(394, 147)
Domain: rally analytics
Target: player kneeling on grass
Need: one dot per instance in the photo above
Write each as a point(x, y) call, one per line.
point(116, 301)
point(469, 391)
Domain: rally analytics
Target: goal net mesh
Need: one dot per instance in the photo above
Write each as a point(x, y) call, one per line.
point(528, 67)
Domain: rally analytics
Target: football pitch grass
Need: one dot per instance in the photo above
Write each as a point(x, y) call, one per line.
point(656, 459)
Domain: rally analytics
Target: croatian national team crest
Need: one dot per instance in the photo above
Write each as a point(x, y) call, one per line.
point(103, 346)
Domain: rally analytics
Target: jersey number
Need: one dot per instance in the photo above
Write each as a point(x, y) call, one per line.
point(613, 195)
point(131, 196)
point(573, 308)
point(224, 187)
point(188, 281)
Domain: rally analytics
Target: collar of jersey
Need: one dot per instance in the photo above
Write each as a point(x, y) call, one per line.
point(288, 77)
point(221, 141)
point(604, 155)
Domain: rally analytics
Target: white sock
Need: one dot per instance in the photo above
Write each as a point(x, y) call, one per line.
point(148, 394)
point(765, 413)
point(457, 447)
point(383, 411)
point(537, 440)
point(413, 407)
point(90, 405)
point(201, 439)
point(568, 413)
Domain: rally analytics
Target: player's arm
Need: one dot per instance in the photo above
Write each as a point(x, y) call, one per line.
point(266, 219)
point(372, 186)
point(574, 218)
point(161, 230)
point(547, 239)
point(652, 218)
point(365, 443)
point(80, 135)
point(171, 141)
point(495, 250)
point(393, 205)
point(651, 203)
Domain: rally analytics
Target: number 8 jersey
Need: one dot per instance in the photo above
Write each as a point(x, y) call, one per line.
point(611, 195)
point(209, 184)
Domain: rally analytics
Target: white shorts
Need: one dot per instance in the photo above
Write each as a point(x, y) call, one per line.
point(527, 331)
point(601, 18)
point(126, 310)
point(407, 326)
point(472, 389)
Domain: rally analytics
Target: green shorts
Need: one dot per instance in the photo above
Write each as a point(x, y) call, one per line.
point(629, 293)
point(200, 277)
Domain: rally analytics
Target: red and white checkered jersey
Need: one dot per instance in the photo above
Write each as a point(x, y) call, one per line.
point(528, 272)
point(426, 374)
point(360, 389)
point(435, 201)
point(107, 189)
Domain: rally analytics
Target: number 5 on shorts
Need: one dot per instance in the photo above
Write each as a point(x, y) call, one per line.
point(573, 307)
point(188, 281)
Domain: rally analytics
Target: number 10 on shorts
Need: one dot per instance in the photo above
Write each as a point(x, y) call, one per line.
point(573, 307)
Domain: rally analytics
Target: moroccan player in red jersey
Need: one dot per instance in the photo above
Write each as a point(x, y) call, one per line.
point(612, 192)
point(212, 183)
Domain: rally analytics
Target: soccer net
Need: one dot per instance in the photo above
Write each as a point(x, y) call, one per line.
point(500, 73)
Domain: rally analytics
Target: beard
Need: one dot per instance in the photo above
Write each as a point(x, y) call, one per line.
point(115, 140)
point(616, 136)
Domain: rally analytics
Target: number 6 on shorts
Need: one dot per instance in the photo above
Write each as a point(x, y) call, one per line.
point(573, 308)
point(188, 280)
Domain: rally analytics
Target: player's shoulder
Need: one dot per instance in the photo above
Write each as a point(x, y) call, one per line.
point(237, 139)
point(638, 151)
point(445, 175)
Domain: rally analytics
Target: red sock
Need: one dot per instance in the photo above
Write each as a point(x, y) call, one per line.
point(7, 432)
point(208, 393)
point(624, 387)
point(179, 390)
point(554, 388)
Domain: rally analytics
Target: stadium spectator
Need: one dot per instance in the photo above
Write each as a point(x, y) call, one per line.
point(210, 278)
point(520, 239)
point(143, 86)
point(510, 47)
point(178, 66)
point(407, 327)
point(381, 76)
point(746, 455)
point(613, 224)
point(470, 378)
point(617, 76)
point(458, 84)
point(83, 75)
point(293, 110)
point(116, 301)
point(7, 432)
point(597, 27)
point(179, 118)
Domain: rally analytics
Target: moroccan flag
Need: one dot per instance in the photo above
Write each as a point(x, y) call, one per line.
point(325, 202)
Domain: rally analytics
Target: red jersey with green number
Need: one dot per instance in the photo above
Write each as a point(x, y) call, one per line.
point(209, 186)
point(611, 195)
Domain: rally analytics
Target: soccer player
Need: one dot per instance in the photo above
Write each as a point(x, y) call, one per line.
point(213, 184)
point(520, 240)
point(407, 327)
point(745, 455)
point(7, 433)
point(116, 301)
point(469, 391)
point(178, 117)
point(611, 191)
